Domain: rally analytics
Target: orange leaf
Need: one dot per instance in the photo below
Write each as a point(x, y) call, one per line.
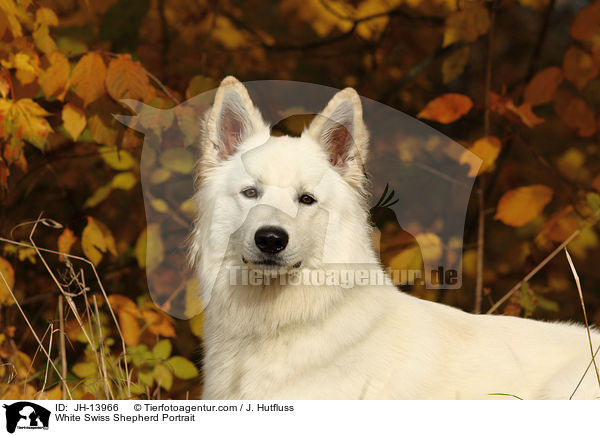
point(543, 86)
point(586, 23)
point(575, 113)
point(66, 240)
point(130, 328)
point(120, 303)
point(74, 120)
point(520, 206)
point(158, 323)
point(5, 82)
point(559, 227)
point(579, 67)
point(88, 77)
point(126, 79)
point(527, 116)
point(447, 108)
point(55, 79)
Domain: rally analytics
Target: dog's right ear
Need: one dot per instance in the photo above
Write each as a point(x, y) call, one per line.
point(231, 120)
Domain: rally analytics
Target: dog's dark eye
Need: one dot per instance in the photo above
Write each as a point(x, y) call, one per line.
point(307, 199)
point(250, 193)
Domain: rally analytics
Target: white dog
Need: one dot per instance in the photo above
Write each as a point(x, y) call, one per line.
point(284, 208)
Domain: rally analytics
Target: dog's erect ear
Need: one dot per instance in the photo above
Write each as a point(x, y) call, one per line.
point(341, 130)
point(232, 119)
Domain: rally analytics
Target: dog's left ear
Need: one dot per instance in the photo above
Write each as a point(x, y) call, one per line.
point(232, 119)
point(340, 129)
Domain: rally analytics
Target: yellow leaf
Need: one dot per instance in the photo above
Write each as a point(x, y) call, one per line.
point(149, 248)
point(27, 117)
point(408, 259)
point(520, 206)
point(487, 149)
point(7, 282)
point(126, 79)
point(66, 240)
point(88, 77)
point(454, 64)
point(117, 159)
point(43, 40)
point(198, 85)
point(74, 120)
point(55, 79)
point(96, 240)
point(98, 196)
point(467, 24)
point(542, 86)
point(447, 108)
point(125, 180)
point(160, 205)
point(46, 16)
point(14, 15)
point(180, 160)
point(431, 246)
point(197, 325)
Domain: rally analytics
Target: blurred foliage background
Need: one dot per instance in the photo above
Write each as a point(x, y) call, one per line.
point(515, 81)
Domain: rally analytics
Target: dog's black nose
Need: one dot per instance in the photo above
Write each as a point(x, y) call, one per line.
point(271, 239)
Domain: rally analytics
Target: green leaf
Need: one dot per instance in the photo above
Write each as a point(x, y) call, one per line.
point(163, 376)
point(182, 368)
point(117, 159)
point(146, 375)
point(179, 160)
point(85, 369)
point(162, 349)
point(124, 180)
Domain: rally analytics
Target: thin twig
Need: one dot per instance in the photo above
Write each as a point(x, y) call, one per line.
point(61, 339)
point(480, 243)
point(534, 271)
point(587, 325)
point(107, 388)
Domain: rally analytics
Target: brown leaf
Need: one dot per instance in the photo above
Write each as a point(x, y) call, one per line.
point(586, 23)
point(543, 85)
point(126, 79)
point(575, 113)
point(88, 77)
point(446, 108)
point(579, 67)
point(520, 206)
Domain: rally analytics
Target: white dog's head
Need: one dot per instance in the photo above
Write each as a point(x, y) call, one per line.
point(279, 203)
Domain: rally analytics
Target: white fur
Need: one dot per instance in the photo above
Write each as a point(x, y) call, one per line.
point(327, 342)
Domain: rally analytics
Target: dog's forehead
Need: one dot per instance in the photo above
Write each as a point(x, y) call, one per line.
point(285, 161)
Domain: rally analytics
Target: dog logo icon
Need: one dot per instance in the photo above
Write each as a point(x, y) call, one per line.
point(26, 415)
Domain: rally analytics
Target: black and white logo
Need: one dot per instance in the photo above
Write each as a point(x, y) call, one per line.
point(26, 415)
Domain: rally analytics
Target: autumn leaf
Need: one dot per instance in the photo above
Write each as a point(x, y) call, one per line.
point(117, 159)
point(454, 65)
point(121, 303)
point(486, 149)
point(149, 248)
point(88, 78)
point(126, 79)
point(5, 82)
point(558, 228)
point(446, 108)
point(7, 282)
point(73, 120)
point(575, 113)
point(130, 328)
point(163, 376)
point(158, 323)
point(182, 368)
point(467, 24)
point(542, 86)
point(55, 79)
point(520, 206)
point(96, 240)
point(586, 23)
point(28, 119)
point(65, 241)
point(579, 67)
point(180, 160)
